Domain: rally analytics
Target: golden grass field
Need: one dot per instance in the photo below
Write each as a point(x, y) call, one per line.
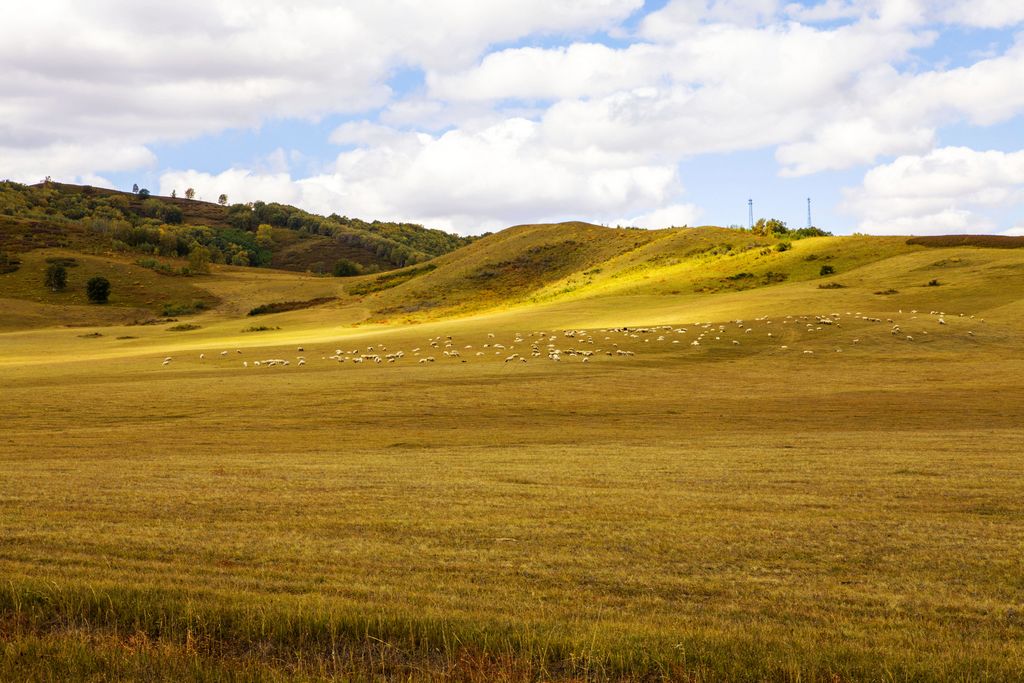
point(713, 512)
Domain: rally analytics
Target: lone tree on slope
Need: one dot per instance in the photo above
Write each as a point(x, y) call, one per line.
point(56, 278)
point(190, 193)
point(98, 290)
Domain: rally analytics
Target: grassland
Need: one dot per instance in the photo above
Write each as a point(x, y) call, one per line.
point(718, 511)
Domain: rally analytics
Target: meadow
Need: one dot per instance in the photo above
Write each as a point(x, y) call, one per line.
point(803, 501)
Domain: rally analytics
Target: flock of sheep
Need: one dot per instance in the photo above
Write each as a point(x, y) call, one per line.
point(586, 345)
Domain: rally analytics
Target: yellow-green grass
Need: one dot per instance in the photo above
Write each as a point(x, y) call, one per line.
point(713, 512)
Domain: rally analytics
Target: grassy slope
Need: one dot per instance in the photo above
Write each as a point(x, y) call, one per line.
point(724, 511)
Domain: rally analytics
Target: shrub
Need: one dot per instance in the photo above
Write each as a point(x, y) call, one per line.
point(345, 268)
point(183, 308)
point(826, 270)
point(783, 246)
point(282, 306)
point(183, 327)
point(56, 277)
point(98, 290)
point(831, 285)
point(933, 283)
point(260, 328)
point(885, 292)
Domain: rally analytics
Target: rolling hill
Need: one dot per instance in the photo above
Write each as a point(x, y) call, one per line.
point(98, 220)
point(559, 452)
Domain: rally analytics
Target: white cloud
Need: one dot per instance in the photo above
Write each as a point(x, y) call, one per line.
point(72, 72)
point(239, 185)
point(673, 216)
point(580, 130)
point(71, 161)
point(946, 190)
point(460, 179)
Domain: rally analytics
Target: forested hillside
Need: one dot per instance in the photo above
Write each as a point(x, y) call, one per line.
point(254, 234)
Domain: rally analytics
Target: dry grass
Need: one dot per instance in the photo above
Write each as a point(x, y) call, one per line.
point(719, 512)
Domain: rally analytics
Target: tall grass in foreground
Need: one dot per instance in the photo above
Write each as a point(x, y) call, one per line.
point(63, 632)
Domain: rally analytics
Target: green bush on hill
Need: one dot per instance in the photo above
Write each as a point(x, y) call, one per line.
point(98, 290)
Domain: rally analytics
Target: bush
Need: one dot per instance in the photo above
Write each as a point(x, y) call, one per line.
point(183, 327)
point(56, 277)
point(345, 268)
point(826, 270)
point(183, 308)
point(831, 285)
point(98, 290)
point(783, 246)
point(933, 283)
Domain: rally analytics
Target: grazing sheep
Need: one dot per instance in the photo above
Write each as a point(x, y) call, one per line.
point(245, 363)
point(202, 356)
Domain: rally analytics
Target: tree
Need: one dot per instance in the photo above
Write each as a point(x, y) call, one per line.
point(56, 277)
point(174, 193)
point(143, 192)
point(135, 188)
point(769, 226)
point(345, 268)
point(222, 200)
point(172, 214)
point(98, 290)
point(265, 235)
point(240, 259)
point(190, 193)
point(199, 260)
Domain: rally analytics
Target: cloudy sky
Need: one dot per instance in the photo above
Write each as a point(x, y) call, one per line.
point(894, 116)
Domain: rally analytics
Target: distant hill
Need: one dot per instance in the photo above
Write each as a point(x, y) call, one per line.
point(97, 220)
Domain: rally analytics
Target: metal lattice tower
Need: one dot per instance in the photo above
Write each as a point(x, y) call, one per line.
point(809, 223)
point(750, 213)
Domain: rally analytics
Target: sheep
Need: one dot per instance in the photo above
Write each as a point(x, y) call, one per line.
point(202, 356)
point(223, 353)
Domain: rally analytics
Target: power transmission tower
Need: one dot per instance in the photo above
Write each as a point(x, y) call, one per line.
point(750, 213)
point(809, 223)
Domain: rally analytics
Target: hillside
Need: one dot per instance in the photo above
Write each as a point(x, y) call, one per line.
point(570, 266)
point(630, 455)
point(99, 220)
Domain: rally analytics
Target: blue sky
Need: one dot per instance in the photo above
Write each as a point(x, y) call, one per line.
point(894, 116)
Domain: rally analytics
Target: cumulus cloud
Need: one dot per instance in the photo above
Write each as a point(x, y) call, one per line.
point(673, 216)
point(76, 162)
point(116, 69)
point(942, 191)
point(580, 129)
point(494, 176)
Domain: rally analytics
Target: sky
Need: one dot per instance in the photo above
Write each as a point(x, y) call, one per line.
point(892, 116)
